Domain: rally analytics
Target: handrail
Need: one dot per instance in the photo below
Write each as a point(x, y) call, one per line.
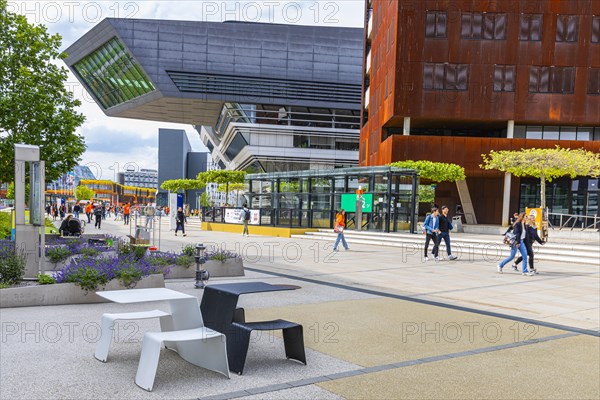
point(575, 218)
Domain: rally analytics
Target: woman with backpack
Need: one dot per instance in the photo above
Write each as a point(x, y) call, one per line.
point(246, 218)
point(518, 244)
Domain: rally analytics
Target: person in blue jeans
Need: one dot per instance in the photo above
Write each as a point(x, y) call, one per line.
point(431, 228)
point(519, 245)
point(444, 228)
point(340, 224)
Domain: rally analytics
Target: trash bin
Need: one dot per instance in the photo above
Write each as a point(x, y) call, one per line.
point(457, 224)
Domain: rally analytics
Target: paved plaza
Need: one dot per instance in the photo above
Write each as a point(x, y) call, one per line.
point(378, 324)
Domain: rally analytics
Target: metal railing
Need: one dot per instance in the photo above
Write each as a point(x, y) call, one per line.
point(573, 221)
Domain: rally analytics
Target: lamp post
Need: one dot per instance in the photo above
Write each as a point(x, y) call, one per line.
point(201, 274)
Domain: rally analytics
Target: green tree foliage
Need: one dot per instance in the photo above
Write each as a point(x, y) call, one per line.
point(84, 193)
point(176, 185)
point(10, 192)
point(222, 177)
point(426, 194)
point(434, 171)
point(544, 164)
point(35, 107)
point(205, 200)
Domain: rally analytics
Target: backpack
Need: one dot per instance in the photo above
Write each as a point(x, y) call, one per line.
point(247, 215)
point(510, 239)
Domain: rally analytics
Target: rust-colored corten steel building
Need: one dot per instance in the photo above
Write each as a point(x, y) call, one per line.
point(450, 80)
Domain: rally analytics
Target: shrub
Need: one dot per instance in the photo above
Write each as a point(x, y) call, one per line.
point(5, 225)
point(221, 255)
point(44, 279)
point(58, 253)
point(189, 250)
point(184, 261)
point(90, 251)
point(12, 263)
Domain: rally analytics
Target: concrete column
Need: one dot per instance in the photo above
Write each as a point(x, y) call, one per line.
point(506, 200)
point(406, 128)
point(510, 129)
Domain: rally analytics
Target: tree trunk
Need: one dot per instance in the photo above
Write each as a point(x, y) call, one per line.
point(543, 191)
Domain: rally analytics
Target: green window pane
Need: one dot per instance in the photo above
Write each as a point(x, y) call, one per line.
point(112, 75)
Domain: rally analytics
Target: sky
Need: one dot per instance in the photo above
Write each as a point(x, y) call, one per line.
point(116, 144)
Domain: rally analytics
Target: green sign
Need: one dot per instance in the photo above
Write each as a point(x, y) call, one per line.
point(349, 202)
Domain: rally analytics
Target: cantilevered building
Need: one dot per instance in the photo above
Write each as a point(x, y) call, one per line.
point(264, 97)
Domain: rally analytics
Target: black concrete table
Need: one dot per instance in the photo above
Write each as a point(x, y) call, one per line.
point(220, 313)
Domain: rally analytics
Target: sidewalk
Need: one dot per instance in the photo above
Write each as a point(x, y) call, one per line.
point(378, 324)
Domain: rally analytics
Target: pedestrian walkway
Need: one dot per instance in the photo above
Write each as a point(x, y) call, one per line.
point(378, 324)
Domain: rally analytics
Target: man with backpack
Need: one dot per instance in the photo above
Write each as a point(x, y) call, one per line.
point(246, 218)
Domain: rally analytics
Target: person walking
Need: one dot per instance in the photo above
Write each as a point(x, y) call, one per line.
point(88, 212)
point(126, 212)
point(98, 215)
point(518, 245)
point(245, 218)
point(180, 219)
point(445, 226)
point(340, 225)
point(530, 237)
point(431, 226)
point(150, 211)
point(77, 210)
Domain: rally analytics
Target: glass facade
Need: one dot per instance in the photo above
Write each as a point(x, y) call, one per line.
point(311, 198)
point(112, 75)
point(578, 196)
point(557, 132)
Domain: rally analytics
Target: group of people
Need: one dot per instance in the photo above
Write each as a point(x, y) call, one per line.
point(523, 233)
point(437, 227)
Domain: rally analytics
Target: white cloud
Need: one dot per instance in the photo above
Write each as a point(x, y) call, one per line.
point(72, 19)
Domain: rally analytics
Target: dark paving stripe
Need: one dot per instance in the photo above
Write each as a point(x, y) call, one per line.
point(432, 303)
point(379, 368)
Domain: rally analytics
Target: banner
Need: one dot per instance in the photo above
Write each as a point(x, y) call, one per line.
point(234, 216)
point(349, 202)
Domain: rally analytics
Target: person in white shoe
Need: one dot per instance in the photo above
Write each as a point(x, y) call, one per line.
point(518, 245)
point(445, 226)
point(431, 229)
point(530, 237)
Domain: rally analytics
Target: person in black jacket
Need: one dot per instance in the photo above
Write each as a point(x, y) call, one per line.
point(531, 236)
point(180, 220)
point(444, 226)
point(98, 216)
point(518, 245)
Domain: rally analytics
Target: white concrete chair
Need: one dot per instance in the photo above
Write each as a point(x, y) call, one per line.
point(200, 346)
point(108, 322)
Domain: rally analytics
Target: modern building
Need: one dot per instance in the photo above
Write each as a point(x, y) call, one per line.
point(176, 160)
point(450, 80)
point(264, 97)
point(66, 184)
point(145, 178)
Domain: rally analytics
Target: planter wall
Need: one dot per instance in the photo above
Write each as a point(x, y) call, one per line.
point(216, 269)
point(65, 293)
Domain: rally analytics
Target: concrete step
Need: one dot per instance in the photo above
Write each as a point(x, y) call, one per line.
point(458, 238)
point(581, 254)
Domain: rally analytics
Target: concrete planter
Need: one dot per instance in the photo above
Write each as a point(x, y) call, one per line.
point(66, 293)
point(216, 269)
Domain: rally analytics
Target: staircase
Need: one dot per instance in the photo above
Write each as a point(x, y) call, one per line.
point(463, 245)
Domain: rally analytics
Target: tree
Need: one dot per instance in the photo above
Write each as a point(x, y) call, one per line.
point(222, 177)
point(175, 185)
point(35, 107)
point(10, 192)
point(544, 164)
point(433, 171)
point(205, 200)
point(84, 193)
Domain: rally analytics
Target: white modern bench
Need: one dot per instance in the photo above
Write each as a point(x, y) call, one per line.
point(108, 321)
point(200, 346)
